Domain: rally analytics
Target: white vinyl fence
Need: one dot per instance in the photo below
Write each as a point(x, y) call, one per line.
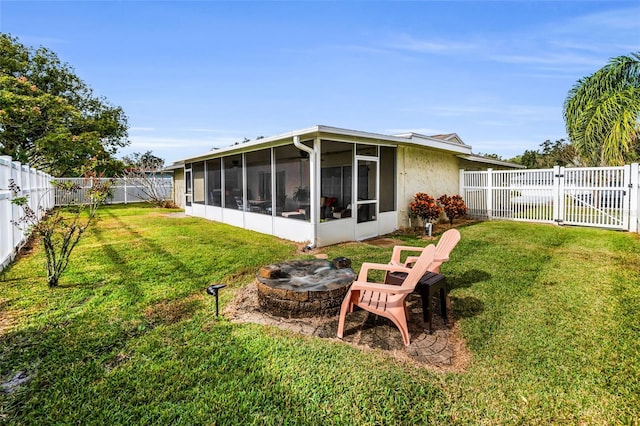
point(43, 195)
point(123, 191)
point(34, 184)
point(604, 197)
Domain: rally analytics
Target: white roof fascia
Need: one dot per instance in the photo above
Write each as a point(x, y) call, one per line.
point(244, 146)
point(408, 139)
point(481, 159)
point(173, 166)
point(440, 144)
point(361, 134)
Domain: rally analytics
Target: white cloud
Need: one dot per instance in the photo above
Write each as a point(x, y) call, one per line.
point(549, 58)
point(175, 147)
point(562, 45)
point(618, 19)
point(492, 108)
point(408, 42)
point(208, 130)
point(149, 142)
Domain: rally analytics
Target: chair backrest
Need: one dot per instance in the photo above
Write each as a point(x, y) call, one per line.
point(446, 243)
point(420, 267)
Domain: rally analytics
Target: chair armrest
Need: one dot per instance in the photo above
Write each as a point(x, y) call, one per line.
point(413, 259)
point(364, 269)
point(381, 288)
point(397, 250)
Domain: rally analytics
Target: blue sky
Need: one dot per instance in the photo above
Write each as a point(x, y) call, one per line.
point(194, 75)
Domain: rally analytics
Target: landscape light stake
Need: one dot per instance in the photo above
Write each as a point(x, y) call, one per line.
point(428, 228)
point(213, 290)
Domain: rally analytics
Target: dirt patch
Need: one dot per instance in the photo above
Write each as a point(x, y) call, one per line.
point(388, 241)
point(441, 227)
point(6, 319)
point(384, 242)
point(179, 215)
point(173, 311)
point(442, 350)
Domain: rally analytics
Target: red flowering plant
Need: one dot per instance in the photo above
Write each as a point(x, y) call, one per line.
point(453, 206)
point(425, 207)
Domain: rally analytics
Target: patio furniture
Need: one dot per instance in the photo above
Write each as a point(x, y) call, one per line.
point(294, 215)
point(429, 285)
point(385, 299)
point(446, 244)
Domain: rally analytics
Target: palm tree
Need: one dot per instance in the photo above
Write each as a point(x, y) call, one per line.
point(602, 113)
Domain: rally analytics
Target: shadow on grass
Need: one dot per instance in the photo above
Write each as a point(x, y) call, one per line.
point(120, 263)
point(467, 279)
point(226, 374)
point(119, 266)
point(466, 307)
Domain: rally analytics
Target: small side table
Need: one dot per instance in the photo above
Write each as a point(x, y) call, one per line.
point(427, 286)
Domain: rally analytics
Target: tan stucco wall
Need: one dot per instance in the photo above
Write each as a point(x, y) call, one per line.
point(422, 170)
point(178, 187)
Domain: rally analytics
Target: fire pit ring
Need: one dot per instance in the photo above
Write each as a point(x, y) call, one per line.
point(304, 288)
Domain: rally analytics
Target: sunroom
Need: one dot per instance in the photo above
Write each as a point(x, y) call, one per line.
point(318, 186)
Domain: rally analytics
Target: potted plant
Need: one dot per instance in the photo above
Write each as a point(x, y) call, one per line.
point(301, 194)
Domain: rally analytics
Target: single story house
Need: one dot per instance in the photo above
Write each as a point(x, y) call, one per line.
point(323, 185)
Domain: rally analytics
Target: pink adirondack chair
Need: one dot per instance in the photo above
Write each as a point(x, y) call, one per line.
point(446, 244)
point(385, 299)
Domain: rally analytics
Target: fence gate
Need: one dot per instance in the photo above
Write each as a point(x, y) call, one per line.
point(595, 197)
point(604, 197)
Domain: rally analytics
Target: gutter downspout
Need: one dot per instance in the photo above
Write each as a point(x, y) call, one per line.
point(313, 199)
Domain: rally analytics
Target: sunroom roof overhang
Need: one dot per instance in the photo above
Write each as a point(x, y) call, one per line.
point(328, 132)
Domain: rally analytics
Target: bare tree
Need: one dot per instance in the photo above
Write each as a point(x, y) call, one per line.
point(146, 173)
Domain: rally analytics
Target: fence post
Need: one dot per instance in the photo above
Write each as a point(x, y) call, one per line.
point(634, 197)
point(461, 183)
point(16, 175)
point(558, 194)
point(41, 190)
point(125, 189)
point(27, 182)
point(6, 231)
point(489, 193)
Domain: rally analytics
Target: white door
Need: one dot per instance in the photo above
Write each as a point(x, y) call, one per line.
point(188, 185)
point(366, 205)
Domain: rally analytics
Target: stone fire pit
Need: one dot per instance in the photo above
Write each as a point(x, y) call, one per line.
point(304, 288)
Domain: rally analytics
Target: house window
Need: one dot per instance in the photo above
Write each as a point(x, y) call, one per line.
point(214, 182)
point(258, 165)
point(368, 150)
point(198, 182)
point(292, 183)
point(336, 180)
point(233, 198)
point(387, 179)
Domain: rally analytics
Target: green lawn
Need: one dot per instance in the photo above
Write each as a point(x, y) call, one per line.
point(551, 317)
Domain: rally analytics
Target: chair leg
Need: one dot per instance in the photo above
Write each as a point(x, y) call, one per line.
point(401, 322)
point(346, 307)
point(443, 304)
